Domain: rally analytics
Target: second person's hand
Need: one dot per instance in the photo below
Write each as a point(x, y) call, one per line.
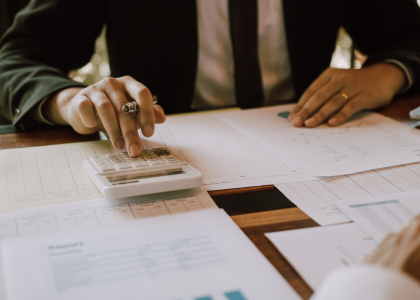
point(338, 94)
point(99, 107)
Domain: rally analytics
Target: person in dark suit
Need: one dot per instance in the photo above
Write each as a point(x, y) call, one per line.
point(195, 54)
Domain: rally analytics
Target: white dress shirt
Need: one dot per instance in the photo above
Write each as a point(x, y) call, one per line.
point(215, 84)
point(368, 282)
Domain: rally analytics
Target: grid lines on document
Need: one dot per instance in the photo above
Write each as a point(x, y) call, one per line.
point(387, 216)
point(141, 260)
point(42, 175)
point(97, 216)
point(221, 151)
point(319, 193)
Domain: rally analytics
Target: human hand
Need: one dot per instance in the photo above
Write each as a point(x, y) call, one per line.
point(338, 94)
point(98, 107)
point(400, 251)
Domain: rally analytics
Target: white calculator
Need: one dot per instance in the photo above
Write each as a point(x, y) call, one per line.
point(157, 170)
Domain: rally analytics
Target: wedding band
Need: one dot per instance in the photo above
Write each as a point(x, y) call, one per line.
point(345, 96)
point(132, 107)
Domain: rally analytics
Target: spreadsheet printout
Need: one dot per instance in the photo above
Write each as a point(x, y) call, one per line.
point(46, 175)
point(315, 252)
point(226, 157)
point(367, 141)
point(315, 197)
point(378, 216)
point(193, 256)
point(96, 213)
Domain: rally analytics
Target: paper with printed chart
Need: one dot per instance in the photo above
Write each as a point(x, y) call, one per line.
point(315, 252)
point(367, 141)
point(201, 255)
point(226, 157)
point(315, 197)
point(381, 215)
point(98, 212)
point(38, 176)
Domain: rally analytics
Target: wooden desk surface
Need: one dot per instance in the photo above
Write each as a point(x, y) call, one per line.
point(254, 225)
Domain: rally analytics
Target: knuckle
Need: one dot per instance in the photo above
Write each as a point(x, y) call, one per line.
point(144, 92)
point(110, 81)
point(104, 105)
point(131, 134)
point(127, 77)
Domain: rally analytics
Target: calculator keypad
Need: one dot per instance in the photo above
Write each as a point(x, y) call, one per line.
point(122, 161)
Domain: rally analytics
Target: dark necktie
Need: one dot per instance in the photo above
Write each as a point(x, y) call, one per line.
point(243, 16)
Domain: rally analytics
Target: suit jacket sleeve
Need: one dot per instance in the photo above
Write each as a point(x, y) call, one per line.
point(387, 30)
point(47, 39)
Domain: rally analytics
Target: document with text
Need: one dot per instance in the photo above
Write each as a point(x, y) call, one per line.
point(381, 215)
point(45, 175)
point(226, 157)
point(315, 197)
point(96, 213)
point(367, 141)
point(315, 252)
point(200, 255)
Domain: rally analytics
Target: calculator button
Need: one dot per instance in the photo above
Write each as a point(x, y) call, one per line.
point(156, 162)
point(140, 164)
point(119, 161)
point(135, 159)
point(112, 156)
point(107, 168)
point(124, 166)
point(173, 160)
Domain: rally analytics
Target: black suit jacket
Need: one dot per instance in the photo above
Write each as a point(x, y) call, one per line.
point(156, 42)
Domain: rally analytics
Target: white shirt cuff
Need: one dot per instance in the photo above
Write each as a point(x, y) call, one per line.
point(407, 74)
point(36, 113)
point(368, 282)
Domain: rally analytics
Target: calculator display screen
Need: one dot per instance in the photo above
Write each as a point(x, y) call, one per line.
point(136, 176)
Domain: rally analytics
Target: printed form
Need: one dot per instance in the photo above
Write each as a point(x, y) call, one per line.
point(367, 141)
point(96, 213)
point(37, 176)
point(315, 252)
point(197, 256)
point(226, 157)
point(315, 197)
point(381, 215)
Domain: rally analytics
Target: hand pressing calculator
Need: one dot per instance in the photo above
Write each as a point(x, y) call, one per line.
point(157, 170)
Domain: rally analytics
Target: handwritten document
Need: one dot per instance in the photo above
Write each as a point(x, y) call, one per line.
point(226, 157)
point(198, 255)
point(367, 141)
point(315, 197)
point(46, 175)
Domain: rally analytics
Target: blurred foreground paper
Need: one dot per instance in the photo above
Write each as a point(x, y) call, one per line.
point(200, 255)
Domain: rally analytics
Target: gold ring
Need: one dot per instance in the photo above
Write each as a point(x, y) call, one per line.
point(345, 96)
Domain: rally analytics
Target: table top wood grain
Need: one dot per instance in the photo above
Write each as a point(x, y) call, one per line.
point(254, 225)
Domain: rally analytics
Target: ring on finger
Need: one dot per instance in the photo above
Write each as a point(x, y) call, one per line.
point(130, 107)
point(345, 96)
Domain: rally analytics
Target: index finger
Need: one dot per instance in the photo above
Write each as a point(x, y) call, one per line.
point(322, 80)
point(141, 94)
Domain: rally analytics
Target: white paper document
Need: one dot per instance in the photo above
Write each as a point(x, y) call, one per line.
point(197, 256)
point(226, 157)
point(315, 197)
point(378, 216)
point(97, 212)
point(367, 141)
point(315, 252)
point(47, 175)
